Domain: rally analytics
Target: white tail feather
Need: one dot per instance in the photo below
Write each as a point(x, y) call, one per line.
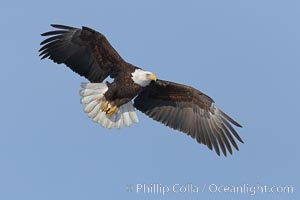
point(89, 107)
point(119, 123)
point(94, 112)
point(133, 114)
point(126, 118)
point(93, 99)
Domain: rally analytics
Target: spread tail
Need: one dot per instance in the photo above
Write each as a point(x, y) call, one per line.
point(92, 98)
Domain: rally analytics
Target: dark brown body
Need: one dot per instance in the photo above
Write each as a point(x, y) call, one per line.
point(122, 89)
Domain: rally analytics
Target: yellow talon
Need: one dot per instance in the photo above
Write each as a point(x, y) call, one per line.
point(105, 106)
point(112, 110)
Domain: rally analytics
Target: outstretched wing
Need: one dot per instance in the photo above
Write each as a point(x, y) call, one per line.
point(85, 51)
point(188, 110)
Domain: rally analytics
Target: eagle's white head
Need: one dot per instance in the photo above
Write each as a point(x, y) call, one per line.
point(142, 78)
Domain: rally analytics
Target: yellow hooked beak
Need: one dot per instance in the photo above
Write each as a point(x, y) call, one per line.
point(153, 77)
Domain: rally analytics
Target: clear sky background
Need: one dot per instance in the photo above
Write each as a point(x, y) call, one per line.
point(243, 54)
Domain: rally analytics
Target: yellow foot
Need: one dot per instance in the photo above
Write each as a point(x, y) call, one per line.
point(104, 107)
point(112, 110)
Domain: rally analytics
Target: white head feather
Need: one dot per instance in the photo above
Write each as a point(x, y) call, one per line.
point(142, 78)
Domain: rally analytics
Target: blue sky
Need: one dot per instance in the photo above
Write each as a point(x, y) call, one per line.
point(243, 54)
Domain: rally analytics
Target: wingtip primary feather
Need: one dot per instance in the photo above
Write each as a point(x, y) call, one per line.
point(229, 118)
point(59, 26)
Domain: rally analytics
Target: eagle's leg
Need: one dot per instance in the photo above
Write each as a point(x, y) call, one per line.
point(105, 106)
point(107, 110)
point(116, 103)
point(112, 110)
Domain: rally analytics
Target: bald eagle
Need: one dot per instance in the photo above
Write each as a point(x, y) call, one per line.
point(112, 105)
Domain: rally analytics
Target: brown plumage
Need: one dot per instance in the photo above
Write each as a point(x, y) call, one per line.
point(180, 107)
point(85, 51)
point(188, 110)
